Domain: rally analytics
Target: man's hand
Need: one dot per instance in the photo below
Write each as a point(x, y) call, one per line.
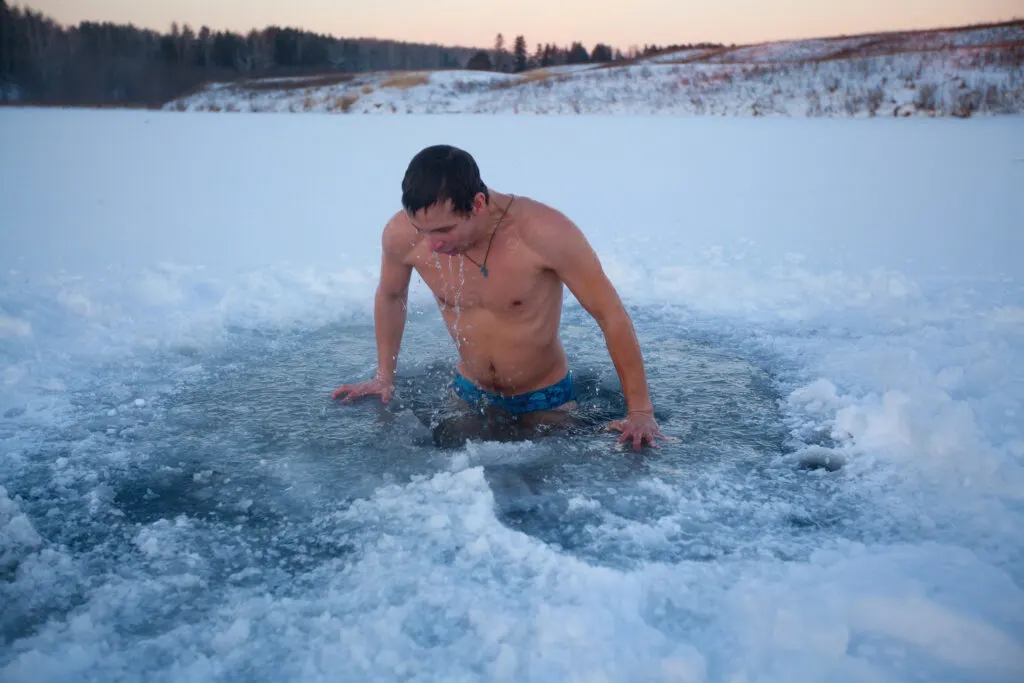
point(373, 387)
point(565, 250)
point(639, 427)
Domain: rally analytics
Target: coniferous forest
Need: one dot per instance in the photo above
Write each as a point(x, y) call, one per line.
point(101, 63)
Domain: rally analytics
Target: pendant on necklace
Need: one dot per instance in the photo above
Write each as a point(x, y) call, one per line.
point(483, 269)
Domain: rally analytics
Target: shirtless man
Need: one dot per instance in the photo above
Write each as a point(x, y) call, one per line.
point(496, 264)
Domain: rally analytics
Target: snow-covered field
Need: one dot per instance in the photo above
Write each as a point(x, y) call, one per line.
point(939, 73)
point(832, 313)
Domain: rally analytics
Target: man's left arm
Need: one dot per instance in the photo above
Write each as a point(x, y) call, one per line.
point(566, 250)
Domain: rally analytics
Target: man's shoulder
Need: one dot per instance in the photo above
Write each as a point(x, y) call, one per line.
point(544, 228)
point(399, 237)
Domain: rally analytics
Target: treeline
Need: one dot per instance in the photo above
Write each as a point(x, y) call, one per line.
point(95, 63)
point(519, 58)
point(102, 63)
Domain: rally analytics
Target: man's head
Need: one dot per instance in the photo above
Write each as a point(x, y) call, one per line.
point(445, 198)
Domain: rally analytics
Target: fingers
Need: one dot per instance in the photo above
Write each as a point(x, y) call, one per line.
point(350, 392)
point(615, 426)
point(639, 437)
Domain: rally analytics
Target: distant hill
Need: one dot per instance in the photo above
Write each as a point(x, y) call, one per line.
point(951, 72)
point(102, 63)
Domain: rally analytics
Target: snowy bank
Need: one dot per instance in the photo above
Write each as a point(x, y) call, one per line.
point(938, 73)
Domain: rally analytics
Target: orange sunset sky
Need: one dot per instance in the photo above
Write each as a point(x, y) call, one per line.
point(474, 23)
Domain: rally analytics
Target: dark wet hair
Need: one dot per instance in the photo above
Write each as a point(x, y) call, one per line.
point(439, 173)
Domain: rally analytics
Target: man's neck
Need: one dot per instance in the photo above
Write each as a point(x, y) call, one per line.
point(496, 205)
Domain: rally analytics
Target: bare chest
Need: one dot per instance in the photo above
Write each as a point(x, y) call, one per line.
point(457, 283)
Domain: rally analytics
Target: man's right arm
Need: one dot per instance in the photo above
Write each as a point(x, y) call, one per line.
point(390, 302)
point(389, 312)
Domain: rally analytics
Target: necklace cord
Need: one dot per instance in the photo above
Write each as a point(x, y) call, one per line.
point(483, 268)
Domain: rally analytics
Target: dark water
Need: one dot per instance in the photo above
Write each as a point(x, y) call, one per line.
point(241, 525)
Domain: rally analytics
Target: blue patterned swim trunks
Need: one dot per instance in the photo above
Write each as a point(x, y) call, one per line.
point(547, 398)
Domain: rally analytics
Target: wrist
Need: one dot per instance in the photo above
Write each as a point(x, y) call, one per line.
point(642, 409)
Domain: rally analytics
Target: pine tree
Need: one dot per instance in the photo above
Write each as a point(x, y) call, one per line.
point(578, 54)
point(520, 53)
point(601, 53)
point(499, 53)
point(548, 56)
point(479, 62)
point(6, 46)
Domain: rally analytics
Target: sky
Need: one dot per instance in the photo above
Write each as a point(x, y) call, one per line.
point(473, 23)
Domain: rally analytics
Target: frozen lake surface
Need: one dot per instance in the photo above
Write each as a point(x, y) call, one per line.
point(832, 316)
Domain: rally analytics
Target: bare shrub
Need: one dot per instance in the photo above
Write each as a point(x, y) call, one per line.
point(993, 99)
point(763, 105)
point(813, 103)
point(405, 81)
point(344, 103)
point(534, 76)
point(852, 103)
point(462, 87)
point(294, 83)
point(875, 98)
point(926, 97)
point(967, 103)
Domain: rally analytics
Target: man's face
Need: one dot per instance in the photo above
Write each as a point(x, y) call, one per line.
point(445, 231)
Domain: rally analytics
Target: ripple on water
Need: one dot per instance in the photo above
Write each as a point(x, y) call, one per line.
point(237, 477)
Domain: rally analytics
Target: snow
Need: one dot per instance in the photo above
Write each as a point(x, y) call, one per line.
point(791, 50)
point(165, 515)
point(679, 55)
point(938, 73)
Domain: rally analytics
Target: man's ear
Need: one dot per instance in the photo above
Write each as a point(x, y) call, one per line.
point(479, 203)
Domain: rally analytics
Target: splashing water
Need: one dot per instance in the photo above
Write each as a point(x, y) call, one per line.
point(250, 506)
point(180, 499)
